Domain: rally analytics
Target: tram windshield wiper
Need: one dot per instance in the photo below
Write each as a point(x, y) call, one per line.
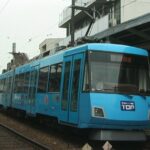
point(105, 89)
point(123, 91)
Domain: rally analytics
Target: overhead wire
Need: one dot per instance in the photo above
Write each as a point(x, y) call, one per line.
point(43, 34)
point(4, 6)
point(1, 1)
point(47, 33)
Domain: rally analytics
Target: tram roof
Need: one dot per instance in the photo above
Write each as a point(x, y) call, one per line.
point(107, 47)
point(58, 57)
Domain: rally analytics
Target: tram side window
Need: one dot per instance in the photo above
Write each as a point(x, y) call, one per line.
point(0, 86)
point(75, 86)
point(65, 86)
point(43, 78)
point(7, 85)
point(16, 82)
point(55, 77)
point(26, 82)
point(19, 83)
point(4, 85)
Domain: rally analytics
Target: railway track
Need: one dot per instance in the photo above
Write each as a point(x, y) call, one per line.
point(56, 140)
point(10, 139)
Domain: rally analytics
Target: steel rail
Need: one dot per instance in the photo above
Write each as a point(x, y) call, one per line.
point(42, 146)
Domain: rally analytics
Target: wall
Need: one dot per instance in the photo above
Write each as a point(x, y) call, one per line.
point(66, 14)
point(131, 9)
point(49, 44)
point(99, 26)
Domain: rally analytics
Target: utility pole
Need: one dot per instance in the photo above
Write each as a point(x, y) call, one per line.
point(72, 22)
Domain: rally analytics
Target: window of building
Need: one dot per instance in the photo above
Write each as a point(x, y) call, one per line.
point(43, 78)
point(55, 77)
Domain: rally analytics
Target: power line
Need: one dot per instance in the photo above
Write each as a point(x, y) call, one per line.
point(4, 6)
point(47, 33)
point(1, 2)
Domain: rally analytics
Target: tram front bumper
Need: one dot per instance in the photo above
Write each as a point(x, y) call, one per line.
point(117, 135)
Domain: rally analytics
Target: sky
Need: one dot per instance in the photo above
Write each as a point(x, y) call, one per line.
point(28, 23)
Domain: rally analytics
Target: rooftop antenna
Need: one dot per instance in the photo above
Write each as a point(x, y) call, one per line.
point(13, 47)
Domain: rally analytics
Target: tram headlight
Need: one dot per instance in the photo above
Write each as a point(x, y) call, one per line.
point(97, 112)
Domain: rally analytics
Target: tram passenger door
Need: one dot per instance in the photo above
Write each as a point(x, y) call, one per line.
point(32, 90)
point(73, 69)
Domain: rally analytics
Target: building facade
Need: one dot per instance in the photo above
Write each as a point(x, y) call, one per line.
point(49, 45)
point(131, 9)
point(106, 14)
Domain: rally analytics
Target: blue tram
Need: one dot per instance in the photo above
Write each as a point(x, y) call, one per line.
point(101, 87)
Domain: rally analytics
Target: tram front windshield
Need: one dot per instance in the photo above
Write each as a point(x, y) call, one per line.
point(115, 72)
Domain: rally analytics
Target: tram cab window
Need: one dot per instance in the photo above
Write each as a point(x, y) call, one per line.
point(43, 78)
point(86, 85)
point(55, 77)
point(116, 73)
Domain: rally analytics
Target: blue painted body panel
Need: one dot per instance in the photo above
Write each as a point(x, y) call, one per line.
point(50, 103)
point(19, 101)
point(22, 69)
point(108, 48)
point(113, 115)
point(5, 97)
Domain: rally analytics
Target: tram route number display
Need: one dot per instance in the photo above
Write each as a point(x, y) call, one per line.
point(127, 106)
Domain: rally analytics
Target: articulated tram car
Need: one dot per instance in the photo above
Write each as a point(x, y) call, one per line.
point(101, 87)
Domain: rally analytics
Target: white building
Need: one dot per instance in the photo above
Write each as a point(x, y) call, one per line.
point(49, 45)
point(131, 9)
point(108, 13)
